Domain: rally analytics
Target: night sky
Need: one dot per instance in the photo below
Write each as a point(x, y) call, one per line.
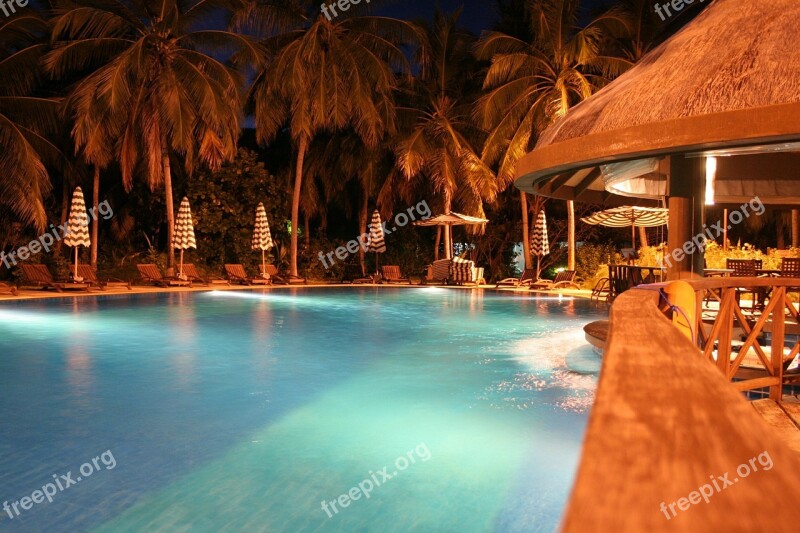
point(478, 15)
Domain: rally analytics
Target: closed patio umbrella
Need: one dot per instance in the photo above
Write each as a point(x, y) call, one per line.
point(184, 231)
point(540, 244)
point(376, 242)
point(77, 227)
point(262, 238)
point(633, 216)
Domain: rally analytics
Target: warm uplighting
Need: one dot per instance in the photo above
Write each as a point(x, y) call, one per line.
point(711, 176)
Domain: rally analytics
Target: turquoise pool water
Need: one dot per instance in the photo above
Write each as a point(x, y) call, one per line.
point(244, 411)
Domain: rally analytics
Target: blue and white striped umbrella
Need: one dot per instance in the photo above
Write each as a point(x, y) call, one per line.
point(376, 242)
point(183, 238)
point(262, 238)
point(77, 227)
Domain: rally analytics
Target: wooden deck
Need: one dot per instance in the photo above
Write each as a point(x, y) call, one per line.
point(784, 417)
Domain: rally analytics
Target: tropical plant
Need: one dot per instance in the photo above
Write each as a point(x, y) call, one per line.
point(25, 119)
point(322, 76)
point(155, 88)
point(440, 142)
point(531, 84)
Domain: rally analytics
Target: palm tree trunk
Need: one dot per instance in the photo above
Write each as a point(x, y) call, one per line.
point(448, 235)
point(438, 242)
point(795, 228)
point(362, 229)
point(298, 183)
point(781, 231)
point(167, 171)
point(571, 235)
point(642, 236)
point(95, 221)
point(307, 228)
point(526, 236)
point(64, 211)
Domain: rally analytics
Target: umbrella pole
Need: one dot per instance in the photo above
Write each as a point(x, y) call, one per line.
point(263, 263)
point(181, 271)
point(76, 264)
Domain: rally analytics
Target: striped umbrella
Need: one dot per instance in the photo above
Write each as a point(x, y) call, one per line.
point(77, 227)
point(633, 216)
point(183, 238)
point(540, 244)
point(262, 239)
point(376, 243)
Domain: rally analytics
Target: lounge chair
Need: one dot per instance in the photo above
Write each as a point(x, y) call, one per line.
point(150, 274)
point(438, 272)
point(392, 274)
point(565, 278)
point(352, 273)
point(237, 274)
point(5, 287)
point(281, 277)
point(38, 276)
point(464, 271)
point(528, 276)
point(90, 276)
point(190, 271)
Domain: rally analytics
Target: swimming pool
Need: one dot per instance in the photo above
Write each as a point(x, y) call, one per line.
point(270, 411)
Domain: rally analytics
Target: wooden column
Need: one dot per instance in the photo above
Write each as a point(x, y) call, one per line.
point(686, 193)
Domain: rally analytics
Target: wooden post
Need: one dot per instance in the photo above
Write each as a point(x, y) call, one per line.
point(778, 327)
point(686, 193)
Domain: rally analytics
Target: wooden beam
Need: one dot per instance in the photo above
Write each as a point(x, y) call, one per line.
point(586, 182)
point(664, 422)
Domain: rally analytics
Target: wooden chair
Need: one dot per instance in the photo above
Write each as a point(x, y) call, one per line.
point(237, 274)
point(190, 271)
point(392, 274)
point(38, 276)
point(90, 275)
point(150, 274)
point(565, 278)
point(744, 268)
point(790, 268)
point(281, 277)
point(438, 272)
point(528, 276)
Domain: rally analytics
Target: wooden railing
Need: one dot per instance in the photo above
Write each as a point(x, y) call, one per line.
point(664, 421)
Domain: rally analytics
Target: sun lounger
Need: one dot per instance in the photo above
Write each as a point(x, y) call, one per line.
point(352, 273)
point(565, 278)
point(528, 276)
point(90, 276)
point(38, 276)
point(464, 271)
point(237, 274)
point(282, 277)
point(149, 273)
point(191, 273)
point(438, 272)
point(392, 274)
point(5, 287)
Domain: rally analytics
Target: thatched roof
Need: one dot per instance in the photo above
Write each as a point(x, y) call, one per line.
point(731, 77)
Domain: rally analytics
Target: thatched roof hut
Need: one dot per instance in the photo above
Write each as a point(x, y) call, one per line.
point(730, 79)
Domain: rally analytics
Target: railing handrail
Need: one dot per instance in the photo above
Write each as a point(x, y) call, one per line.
point(665, 420)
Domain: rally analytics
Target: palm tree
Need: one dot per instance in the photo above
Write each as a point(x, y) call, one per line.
point(531, 84)
point(24, 119)
point(156, 86)
point(322, 76)
point(441, 140)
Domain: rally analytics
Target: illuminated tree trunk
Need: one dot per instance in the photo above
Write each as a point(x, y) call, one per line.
point(795, 228)
point(298, 183)
point(571, 235)
point(167, 171)
point(362, 228)
point(526, 236)
point(95, 222)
